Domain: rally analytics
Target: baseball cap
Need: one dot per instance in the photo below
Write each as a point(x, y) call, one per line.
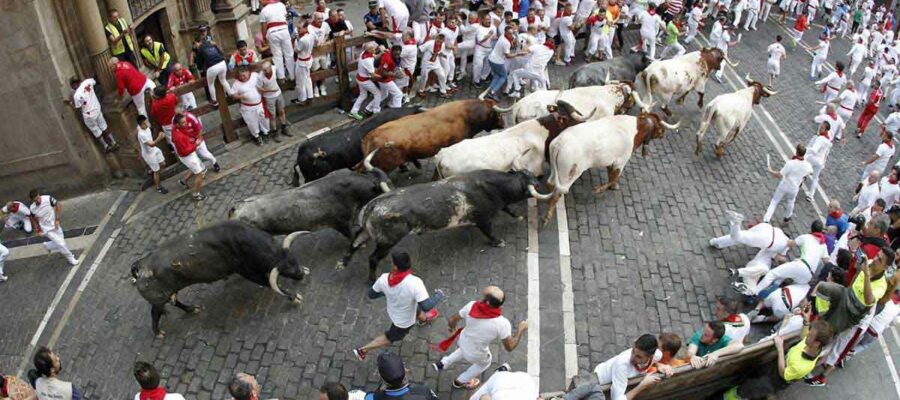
point(391, 368)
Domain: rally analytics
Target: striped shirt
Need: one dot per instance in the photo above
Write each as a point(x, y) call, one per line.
point(674, 7)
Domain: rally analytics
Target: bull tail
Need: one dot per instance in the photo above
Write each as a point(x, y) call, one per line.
point(708, 114)
point(438, 174)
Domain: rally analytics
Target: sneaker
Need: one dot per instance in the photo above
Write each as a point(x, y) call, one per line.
point(323, 92)
point(285, 132)
point(515, 95)
point(162, 190)
point(739, 286)
point(258, 141)
point(560, 63)
point(470, 385)
point(503, 368)
point(198, 196)
point(478, 85)
point(275, 138)
point(360, 354)
point(216, 167)
point(712, 243)
point(183, 185)
point(438, 366)
point(214, 103)
point(809, 198)
point(445, 95)
point(355, 116)
point(734, 216)
point(3, 278)
point(732, 272)
point(817, 381)
point(786, 220)
point(73, 262)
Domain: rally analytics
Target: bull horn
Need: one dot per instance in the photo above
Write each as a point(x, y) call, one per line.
point(367, 162)
point(747, 78)
point(733, 65)
point(606, 81)
point(273, 281)
point(534, 193)
point(290, 239)
point(769, 92)
point(670, 126)
point(558, 95)
point(640, 103)
point(502, 110)
point(484, 93)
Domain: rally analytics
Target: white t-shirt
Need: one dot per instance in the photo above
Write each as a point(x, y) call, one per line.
point(776, 51)
point(270, 83)
point(85, 98)
point(836, 123)
point(884, 152)
point(45, 213)
point(273, 12)
point(144, 136)
point(617, 371)
point(247, 90)
point(498, 55)
point(737, 332)
point(792, 174)
point(169, 396)
point(402, 299)
point(506, 385)
point(811, 250)
point(885, 318)
point(848, 99)
point(867, 195)
point(540, 56)
point(817, 150)
point(480, 333)
point(890, 193)
point(892, 122)
point(395, 8)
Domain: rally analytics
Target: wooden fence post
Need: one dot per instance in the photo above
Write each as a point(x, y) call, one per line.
point(225, 113)
point(342, 73)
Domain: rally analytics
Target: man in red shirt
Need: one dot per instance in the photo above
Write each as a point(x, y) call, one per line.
point(181, 76)
point(872, 106)
point(163, 110)
point(186, 148)
point(385, 75)
point(128, 77)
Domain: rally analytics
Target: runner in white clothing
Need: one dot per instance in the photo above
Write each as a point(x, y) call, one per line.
point(846, 102)
point(45, 215)
point(776, 53)
point(274, 27)
point(245, 90)
point(364, 73)
point(17, 216)
point(791, 176)
point(817, 151)
point(535, 69)
point(616, 372)
point(432, 51)
point(890, 188)
point(883, 153)
point(85, 98)
point(813, 253)
point(834, 120)
point(466, 47)
point(869, 191)
point(856, 54)
point(833, 83)
point(771, 242)
point(484, 325)
point(151, 154)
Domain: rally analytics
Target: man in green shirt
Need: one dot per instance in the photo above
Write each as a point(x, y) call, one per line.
point(672, 44)
point(857, 19)
point(710, 343)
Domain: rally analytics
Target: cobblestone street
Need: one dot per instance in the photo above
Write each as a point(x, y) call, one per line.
point(623, 263)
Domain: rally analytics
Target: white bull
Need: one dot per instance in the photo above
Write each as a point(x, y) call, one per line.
point(610, 99)
point(731, 112)
point(679, 76)
point(519, 147)
point(580, 148)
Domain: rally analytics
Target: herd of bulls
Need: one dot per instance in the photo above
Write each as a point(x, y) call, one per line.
point(347, 185)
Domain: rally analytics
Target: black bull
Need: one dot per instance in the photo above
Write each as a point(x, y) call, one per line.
point(342, 148)
point(211, 254)
point(469, 199)
point(623, 68)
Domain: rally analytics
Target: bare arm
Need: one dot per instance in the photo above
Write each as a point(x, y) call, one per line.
point(511, 342)
point(779, 345)
point(58, 210)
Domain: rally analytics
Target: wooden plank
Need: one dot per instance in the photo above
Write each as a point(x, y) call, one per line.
point(343, 81)
point(225, 113)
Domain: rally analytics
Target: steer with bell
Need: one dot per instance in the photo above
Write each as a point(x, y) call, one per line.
point(679, 76)
point(212, 254)
point(730, 112)
point(468, 199)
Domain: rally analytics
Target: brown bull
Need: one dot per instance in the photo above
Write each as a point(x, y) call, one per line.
point(423, 135)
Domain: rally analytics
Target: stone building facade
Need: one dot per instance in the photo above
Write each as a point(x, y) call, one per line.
point(43, 142)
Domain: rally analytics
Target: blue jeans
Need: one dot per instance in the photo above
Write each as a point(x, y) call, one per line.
point(499, 77)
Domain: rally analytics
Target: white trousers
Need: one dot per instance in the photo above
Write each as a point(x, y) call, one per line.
point(255, 117)
point(816, 67)
point(817, 170)
point(448, 63)
point(14, 219)
point(282, 51)
point(366, 88)
point(737, 17)
point(795, 270)
point(569, 39)
point(188, 101)
point(254, 5)
point(752, 16)
point(764, 13)
point(533, 77)
point(788, 197)
point(465, 50)
point(845, 341)
point(204, 153)
point(480, 66)
point(479, 364)
point(775, 303)
point(606, 44)
point(420, 30)
point(391, 91)
point(303, 82)
point(4, 252)
point(593, 44)
point(138, 99)
point(217, 71)
point(691, 33)
point(674, 47)
point(57, 244)
point(428, 66)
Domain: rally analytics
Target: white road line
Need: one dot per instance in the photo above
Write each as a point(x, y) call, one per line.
point(568, 297)
point(534, 294)
point(890, 364)
point(81, 287)
point(62, 290)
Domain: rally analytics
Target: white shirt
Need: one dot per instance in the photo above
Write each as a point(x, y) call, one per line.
point(365, 68)
point(617, 371)
point(321, 33)
point(540, 56)
point(892, 122)
point(738, 333)
point(715, 35)
point(817, 150)
point(776, 51)
point(811, 250)
point(857, 51)
point(584, 9)
point(85, 98)
point(483, 37)
point(270, 83)
point(505, 385)
point(792, 174)
point(304, 45)
point(696, 15)
point(408, 56)
point(450, 36)
point(402, 299)
point(480, 333)
point(565, 25)
point(836, 122)
point(848, 99)
point(867, 196)
point(885, 318)
point(884, 153)
point(21, 214)
point(890, 193)
point(144, 136)
point(868, 75)
point(273, 12)
point(650, 24)
point(169, 396)
point(45, 213)
point(833, 81)
point(395, 8)
point(247, 90)
point(501, 49)
point(822, 49)
point(468, 32)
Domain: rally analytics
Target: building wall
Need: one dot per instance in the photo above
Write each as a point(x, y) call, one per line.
point(42, 141)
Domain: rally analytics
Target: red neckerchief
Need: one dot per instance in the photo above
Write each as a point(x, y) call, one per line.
point(320, 9)
point(832, 114)
point(820, 236)
point(797, 158)
point(559, 13)
point(566, 13)
point(410, 41)
point(268, 74)
point(437, 47)
point(316, 24)
point(394, 279)
point(550, 45)
point(890, 143)
point(366, 55)
point(530, 20)
point(4, 389)
point(839, 73)
point(734, 320)
point(895, 298)
point(836, 214)
point(437, 24)
point(152, 394)
point(14, 208)
point(482, 310)
point(825, 134)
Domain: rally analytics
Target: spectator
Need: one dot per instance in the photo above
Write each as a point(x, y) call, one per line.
point(637, 360)
point(186, 149)
point(292, 15)
point(156, 58)
point(181, 76)
point(273, 24)
point(669, 345)
point(210, 57)
point(709, 344)
point(880, 322)
point(373, 19)
point(85, 98)
point(407, 301)
point(163, 110)
point(128, 77)
point(47, 385)
point(13, 388)
point(304, 44)
point(246, 91)
point(241, 57)
point(119, 34)
point(737, 324)
point(485, 324)
point(338, 26)
point(333, 391)
point(505, 384)
point(17, 216)
point(147, 376)
point(393, 373)
point(836, 217)
point(45, 215)
point(322, 32)
point(151, 154)
point(244, 387)
point(267, 85)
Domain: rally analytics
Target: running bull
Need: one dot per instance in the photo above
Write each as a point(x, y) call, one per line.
point(340, 149)
point(624, 68)
point(521, 147)
point(730, 112)
point(330, 202)
point(677, 77)
point(211, 254)
point(610, 99)
point(468, 199)
point(423, 135)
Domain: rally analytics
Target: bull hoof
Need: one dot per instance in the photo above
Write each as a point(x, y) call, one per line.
point(298, 299)
point(305, 270)
point(160, 334)
point(520, 218)
point(499, 243)
point(195, 310)
point(340, 265)
point(599, 189)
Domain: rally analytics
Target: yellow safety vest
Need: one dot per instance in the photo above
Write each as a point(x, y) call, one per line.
point(116, 30)
point(153, 58)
